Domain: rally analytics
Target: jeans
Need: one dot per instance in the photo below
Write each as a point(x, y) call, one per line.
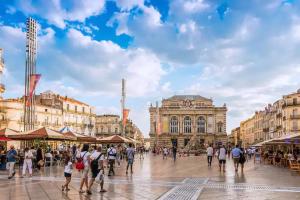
point(111, 163)
point(209, 159)
point(11, 168)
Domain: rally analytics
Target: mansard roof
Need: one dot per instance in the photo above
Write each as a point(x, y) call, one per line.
point(188, 97)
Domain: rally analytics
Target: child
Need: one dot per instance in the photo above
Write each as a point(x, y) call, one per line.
point(68, 172)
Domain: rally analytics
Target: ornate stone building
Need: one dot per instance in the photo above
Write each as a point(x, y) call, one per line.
point(107, 125)
point(52, 111)
point(182, 116)
point(276, 120)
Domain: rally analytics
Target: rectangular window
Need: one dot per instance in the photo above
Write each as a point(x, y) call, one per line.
point(75, 108)
point(68, 107)
point(83, 109)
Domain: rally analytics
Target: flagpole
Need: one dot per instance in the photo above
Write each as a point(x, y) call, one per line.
point(123, 107)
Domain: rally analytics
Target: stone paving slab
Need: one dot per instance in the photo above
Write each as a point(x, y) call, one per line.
point(155, 178)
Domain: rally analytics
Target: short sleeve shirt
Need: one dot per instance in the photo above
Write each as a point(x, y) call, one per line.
point(85, 156)
point(11, 155)
point(222, 154)
point(210, 151)
point(130, 153)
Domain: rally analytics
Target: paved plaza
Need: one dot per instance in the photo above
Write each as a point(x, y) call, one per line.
point(155, 178)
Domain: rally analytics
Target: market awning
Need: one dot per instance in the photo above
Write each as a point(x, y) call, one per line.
point(4, 139)
point(287, 139)
point(7, 132)
point(41, 133)
point(80, 137)
point(114, 139)
point(262, 143)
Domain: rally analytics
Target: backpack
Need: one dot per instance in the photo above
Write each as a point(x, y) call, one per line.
point(112, 154)
point(94, 163)
point(79, 164)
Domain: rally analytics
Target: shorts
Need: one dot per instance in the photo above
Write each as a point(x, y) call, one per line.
point(68, 175)
point(130, 161)
point(236, 160)
point(222, 161)
point(95, 173)
point(85, 173)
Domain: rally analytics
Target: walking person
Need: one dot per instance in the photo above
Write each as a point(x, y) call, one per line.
point(67, 172)
point(142, 150)
point(112, 153)
point(97, 166)
point(84, 156)
point(130, 158)
point(27, 164)
point(210, 153)
point(165, 153)
point(236, 153)
point(242, 159)
point(11, 160)
point(222, 158)
point(39, 158)
point(174, 150)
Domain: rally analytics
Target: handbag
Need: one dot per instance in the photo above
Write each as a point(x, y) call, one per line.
point(41, 163)
point(100, 176)
point(79, 164)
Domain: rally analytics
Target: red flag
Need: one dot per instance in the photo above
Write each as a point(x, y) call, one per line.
point(125, 115)
point(34, 79)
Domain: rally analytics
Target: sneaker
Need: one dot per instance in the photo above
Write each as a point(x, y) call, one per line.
point(88, 192)
point(9, 177)
point(102, 191)
point(13, 174)
point(81, 191)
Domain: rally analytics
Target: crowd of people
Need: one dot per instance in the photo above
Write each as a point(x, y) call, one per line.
point(90, 161)
point(238, 155)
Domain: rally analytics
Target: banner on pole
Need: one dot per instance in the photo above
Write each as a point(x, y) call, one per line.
point(34, 79)
point(125, 116)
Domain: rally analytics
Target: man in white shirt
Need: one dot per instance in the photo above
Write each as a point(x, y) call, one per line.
point(97, 166)
point(111, 153)
point(165, 152)
point(222, 158)
point(210, 153)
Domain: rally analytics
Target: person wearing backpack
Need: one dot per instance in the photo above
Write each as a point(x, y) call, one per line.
point(97, 159)
point(83, 165)
point(112, 153)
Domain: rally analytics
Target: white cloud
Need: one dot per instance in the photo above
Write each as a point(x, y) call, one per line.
point(126, 5)
point(57, 13)
point(193, 6)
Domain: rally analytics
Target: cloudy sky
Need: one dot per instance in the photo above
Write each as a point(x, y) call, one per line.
point(242, 53)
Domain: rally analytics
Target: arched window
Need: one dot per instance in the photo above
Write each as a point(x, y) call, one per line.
point(220, 127)
point(201, 125)
point(174, 125)
point(187, 124)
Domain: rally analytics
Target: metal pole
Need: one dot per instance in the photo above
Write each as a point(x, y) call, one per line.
point(123, 106)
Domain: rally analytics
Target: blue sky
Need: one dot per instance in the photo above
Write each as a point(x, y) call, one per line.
point(242, 53)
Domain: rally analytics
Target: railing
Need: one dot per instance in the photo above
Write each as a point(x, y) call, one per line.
point(291, 104)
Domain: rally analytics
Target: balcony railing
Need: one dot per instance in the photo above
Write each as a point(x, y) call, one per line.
point(295, 116)
point(291, 104)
